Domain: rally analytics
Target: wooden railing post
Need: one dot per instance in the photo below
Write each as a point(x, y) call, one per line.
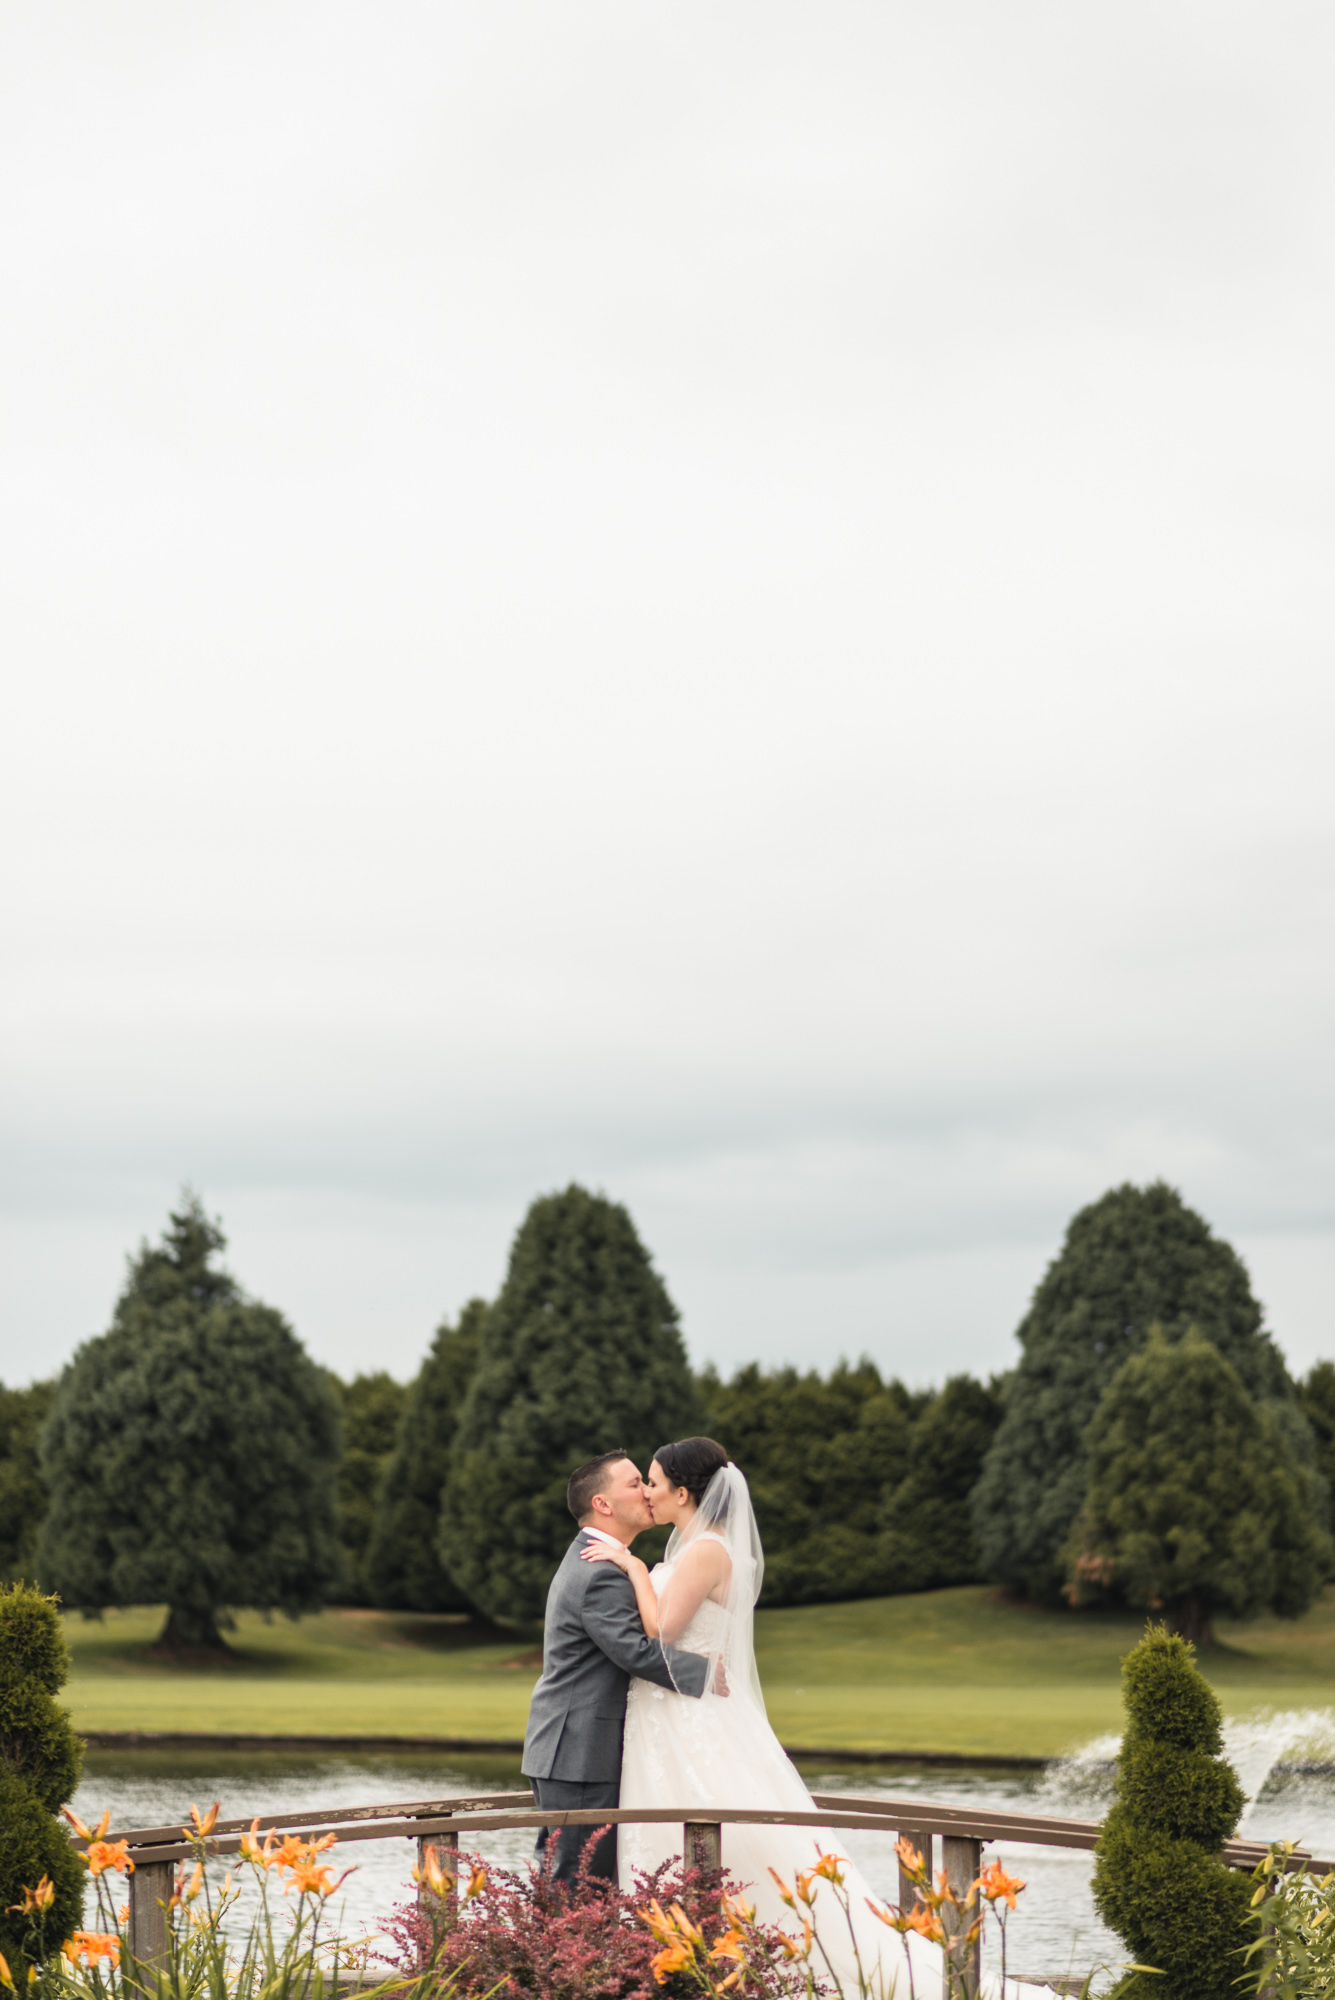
point(702, 1845)
point(923, 1843)
point(962, 1861)
point(150, 1893)
point(446, 1849)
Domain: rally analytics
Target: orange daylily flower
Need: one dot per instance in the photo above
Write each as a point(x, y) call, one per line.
point(123, 1914)
point(998, 1886)
point(828, 1868)
point(784, 1891)
point(477, 1882)
point(438, 1880)
point(104, 1854)
point(737, 1910)
point(671, 1959)
point(910, 1859)
point(656, 1919)
point(6, 1976)
point(36, 1900)
point(729, 1946)
point(310, 1879)
point(201, 1827)
point(926, 1923)
point(83, 1832)
point(90, 1946)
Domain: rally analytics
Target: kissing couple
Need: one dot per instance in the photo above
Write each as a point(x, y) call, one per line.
point(649, 1694)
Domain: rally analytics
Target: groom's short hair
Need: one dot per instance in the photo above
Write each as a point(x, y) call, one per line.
point(586, 1480)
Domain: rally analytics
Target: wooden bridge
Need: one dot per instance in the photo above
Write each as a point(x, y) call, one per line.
point(442, 1823)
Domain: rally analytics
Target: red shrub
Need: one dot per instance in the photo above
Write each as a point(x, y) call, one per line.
point(522, 1938)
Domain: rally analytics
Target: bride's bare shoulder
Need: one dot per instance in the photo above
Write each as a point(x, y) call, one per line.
point(710, 1551)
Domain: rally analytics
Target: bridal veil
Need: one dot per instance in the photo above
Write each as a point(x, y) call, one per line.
point(721, 1626)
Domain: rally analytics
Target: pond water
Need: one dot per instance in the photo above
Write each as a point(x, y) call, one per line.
point(1286, 1763)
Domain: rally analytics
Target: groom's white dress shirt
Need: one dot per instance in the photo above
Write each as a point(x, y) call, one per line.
point(601, 1535)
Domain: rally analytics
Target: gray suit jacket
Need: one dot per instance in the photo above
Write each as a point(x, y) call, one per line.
point(592, 1643)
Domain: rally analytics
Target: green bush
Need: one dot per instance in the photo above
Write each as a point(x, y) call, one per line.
point(1158, 1881)
point(40, 1756)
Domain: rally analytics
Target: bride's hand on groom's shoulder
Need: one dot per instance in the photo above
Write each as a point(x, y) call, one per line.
point(603, 1552)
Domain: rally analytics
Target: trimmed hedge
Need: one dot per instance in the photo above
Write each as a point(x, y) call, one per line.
point(40, 1757)
point(1157, 1879)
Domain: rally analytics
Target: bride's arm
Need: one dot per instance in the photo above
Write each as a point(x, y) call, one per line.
point(702, 1572)
point(645, 1600)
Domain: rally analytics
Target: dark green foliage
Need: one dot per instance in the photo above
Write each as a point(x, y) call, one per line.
point(40, 1756)
point(821, 1458)
point(370, 1407)
point(1316, 1395)
point(1197, 1502)
point(928, 1539)
point(1136, 1257)
point(861, 1488)
point(582, 1352)
point(1157, 1880)
point(404, 1569)
point(22, 1494)
point(190, 1452)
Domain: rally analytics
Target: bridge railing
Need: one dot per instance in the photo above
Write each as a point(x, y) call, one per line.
point(962, 1832)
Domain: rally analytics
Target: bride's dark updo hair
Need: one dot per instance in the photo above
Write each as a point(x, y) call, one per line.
point(692, 1463)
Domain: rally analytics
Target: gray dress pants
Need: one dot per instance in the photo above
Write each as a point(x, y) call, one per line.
point(569, 1842)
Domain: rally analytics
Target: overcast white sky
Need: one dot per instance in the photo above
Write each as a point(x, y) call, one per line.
point(731, 600)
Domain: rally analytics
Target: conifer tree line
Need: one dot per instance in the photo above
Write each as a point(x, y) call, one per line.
point(1149, 1445)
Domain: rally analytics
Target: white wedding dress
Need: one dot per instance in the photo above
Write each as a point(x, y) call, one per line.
point(719, 1750)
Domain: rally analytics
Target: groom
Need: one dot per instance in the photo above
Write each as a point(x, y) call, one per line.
point(593, 1642)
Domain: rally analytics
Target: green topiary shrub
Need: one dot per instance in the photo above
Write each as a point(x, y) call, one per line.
point(40, 1756)
point(1158, 1881)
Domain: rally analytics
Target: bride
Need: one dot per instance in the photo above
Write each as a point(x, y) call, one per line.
point(721, 1750)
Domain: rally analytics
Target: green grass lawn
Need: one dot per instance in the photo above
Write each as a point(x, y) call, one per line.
point(954, 1670)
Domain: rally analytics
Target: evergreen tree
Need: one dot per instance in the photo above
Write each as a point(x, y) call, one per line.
point(928, 1539)
point(821, 1458)
point(190, 1452)
point(1316, 1394)
point(22, 1493)
point(582, 1353)
point(1135, 1257)
point(40, 1757)
point(1158, 1881)
point(404, 1569)
point(1197, 1503)
point(370, 1406)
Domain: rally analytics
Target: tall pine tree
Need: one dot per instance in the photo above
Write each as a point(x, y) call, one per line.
point(404, 1569)
point(190, 1452)
point(582, 1353)
point(1136, 1257)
